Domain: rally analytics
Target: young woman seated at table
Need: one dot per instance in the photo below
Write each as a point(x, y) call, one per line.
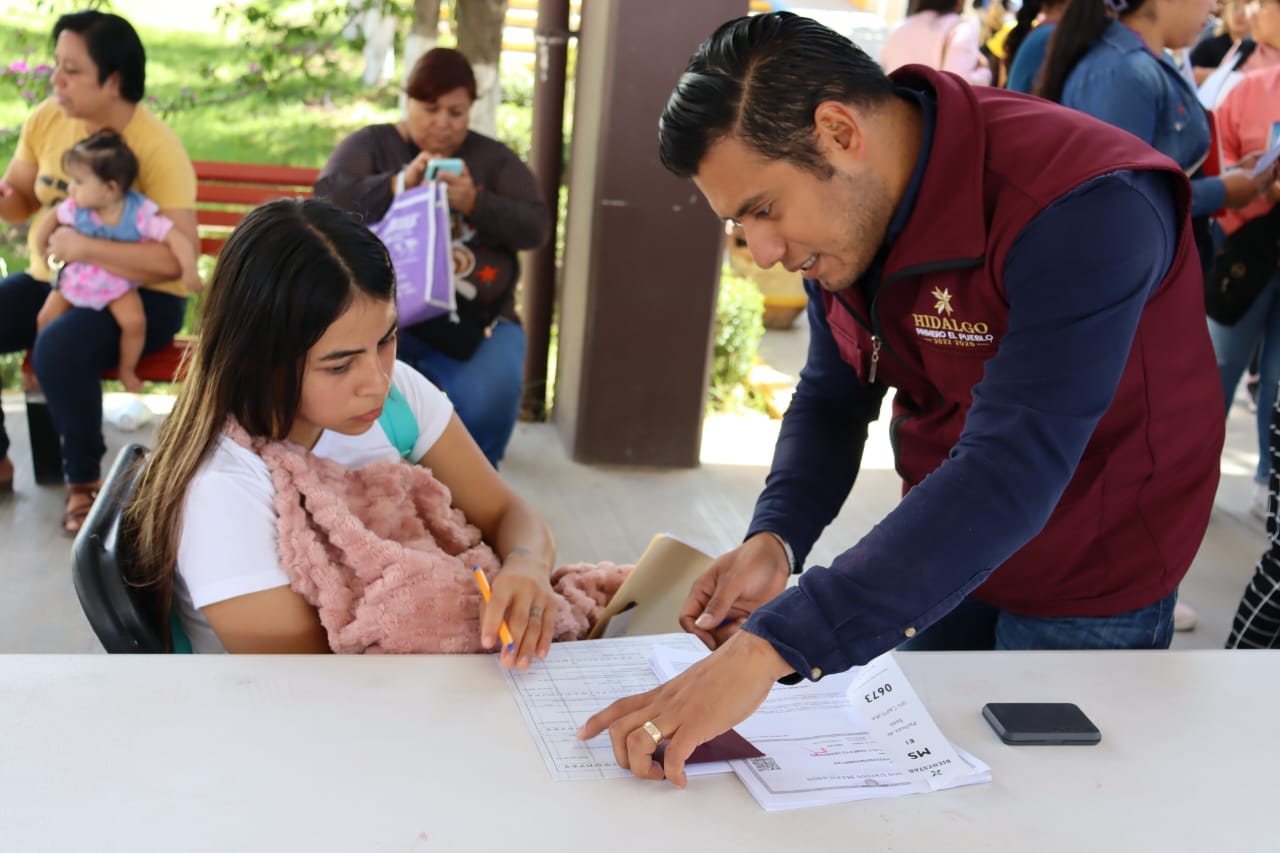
point(298, 344)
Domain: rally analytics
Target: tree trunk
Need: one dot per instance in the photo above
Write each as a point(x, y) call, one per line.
point(379, 43)
point(422, 37)
point(480, 24)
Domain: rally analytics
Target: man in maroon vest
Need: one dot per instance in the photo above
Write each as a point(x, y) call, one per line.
point(1025, 278)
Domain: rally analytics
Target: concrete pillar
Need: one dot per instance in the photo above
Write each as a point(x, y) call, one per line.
point(643, 250)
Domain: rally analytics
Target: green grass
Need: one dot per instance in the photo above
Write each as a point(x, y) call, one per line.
point(296, 122)
point(292, 123)
point(286, 125)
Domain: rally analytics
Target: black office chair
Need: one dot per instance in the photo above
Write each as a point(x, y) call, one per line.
point(117, 611)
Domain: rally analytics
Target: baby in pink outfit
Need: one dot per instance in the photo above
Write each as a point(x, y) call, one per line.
point(100, 170)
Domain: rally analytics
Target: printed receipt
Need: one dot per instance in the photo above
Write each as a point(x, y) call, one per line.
point(821, 748)
point(897, 720)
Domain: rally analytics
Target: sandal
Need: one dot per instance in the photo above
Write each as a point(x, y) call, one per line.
point(80, 497)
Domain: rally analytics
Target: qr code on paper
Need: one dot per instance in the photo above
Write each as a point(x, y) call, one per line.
point(764, 763)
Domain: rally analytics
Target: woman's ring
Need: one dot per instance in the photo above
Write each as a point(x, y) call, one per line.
point(535, 612)
point(652, 731)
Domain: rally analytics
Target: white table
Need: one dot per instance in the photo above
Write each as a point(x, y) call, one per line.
point(419, 754)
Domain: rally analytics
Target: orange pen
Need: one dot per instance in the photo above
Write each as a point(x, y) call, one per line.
point(503, 631)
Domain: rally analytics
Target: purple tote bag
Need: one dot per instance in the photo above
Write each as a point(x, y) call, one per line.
point(416, 231)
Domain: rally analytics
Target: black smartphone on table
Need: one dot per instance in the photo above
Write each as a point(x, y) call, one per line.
point(1041, 723)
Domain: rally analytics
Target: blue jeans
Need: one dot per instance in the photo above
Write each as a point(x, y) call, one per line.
point(485, 389)
point(69, 358)
point(977, 626)
point(1233, 346)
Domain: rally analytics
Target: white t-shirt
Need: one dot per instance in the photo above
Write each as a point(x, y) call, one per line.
point(228, 545)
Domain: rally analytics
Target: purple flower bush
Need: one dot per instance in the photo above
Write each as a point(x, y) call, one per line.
point(30, 82)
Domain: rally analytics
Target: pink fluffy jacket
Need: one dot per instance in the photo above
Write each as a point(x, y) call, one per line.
point(386, 559)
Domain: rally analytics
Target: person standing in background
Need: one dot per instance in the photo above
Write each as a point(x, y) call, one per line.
point(1232, 29)
point(1115, 69)
point(1249, 122)
point(1028, 43)
point(935, 34)
point(1256, 624)
point(997, 23)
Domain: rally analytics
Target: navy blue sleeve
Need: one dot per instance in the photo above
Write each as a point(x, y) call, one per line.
point(1207, 195)
point(1076, 283)
point(819, 449)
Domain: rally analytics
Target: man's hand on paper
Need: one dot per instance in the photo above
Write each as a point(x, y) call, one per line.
point(732, 587)
point(707, 699)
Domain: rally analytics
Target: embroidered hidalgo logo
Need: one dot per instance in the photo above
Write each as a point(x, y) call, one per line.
point(943, 305)
point(941, 329)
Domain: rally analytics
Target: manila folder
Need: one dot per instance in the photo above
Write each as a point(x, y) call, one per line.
point(651, 597)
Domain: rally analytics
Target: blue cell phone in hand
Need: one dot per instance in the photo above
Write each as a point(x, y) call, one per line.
point(435, 167)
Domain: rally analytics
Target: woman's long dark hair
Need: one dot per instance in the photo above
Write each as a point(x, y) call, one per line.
point(1026, 21)
point(1079, 29)
point(290, 268)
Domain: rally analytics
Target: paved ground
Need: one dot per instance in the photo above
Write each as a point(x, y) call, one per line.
point(610, 513)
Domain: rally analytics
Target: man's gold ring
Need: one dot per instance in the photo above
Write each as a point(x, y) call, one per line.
point(652, 731)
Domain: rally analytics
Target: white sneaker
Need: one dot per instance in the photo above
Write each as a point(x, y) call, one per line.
point(1184, 618)
point(1258, 509)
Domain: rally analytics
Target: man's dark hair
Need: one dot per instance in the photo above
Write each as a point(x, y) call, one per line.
point(113, 46)
point(761, 78)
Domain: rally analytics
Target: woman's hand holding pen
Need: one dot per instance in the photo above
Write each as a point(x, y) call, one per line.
point(522, 594)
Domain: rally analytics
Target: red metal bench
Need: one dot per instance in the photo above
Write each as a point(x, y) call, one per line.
point(225, 192)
